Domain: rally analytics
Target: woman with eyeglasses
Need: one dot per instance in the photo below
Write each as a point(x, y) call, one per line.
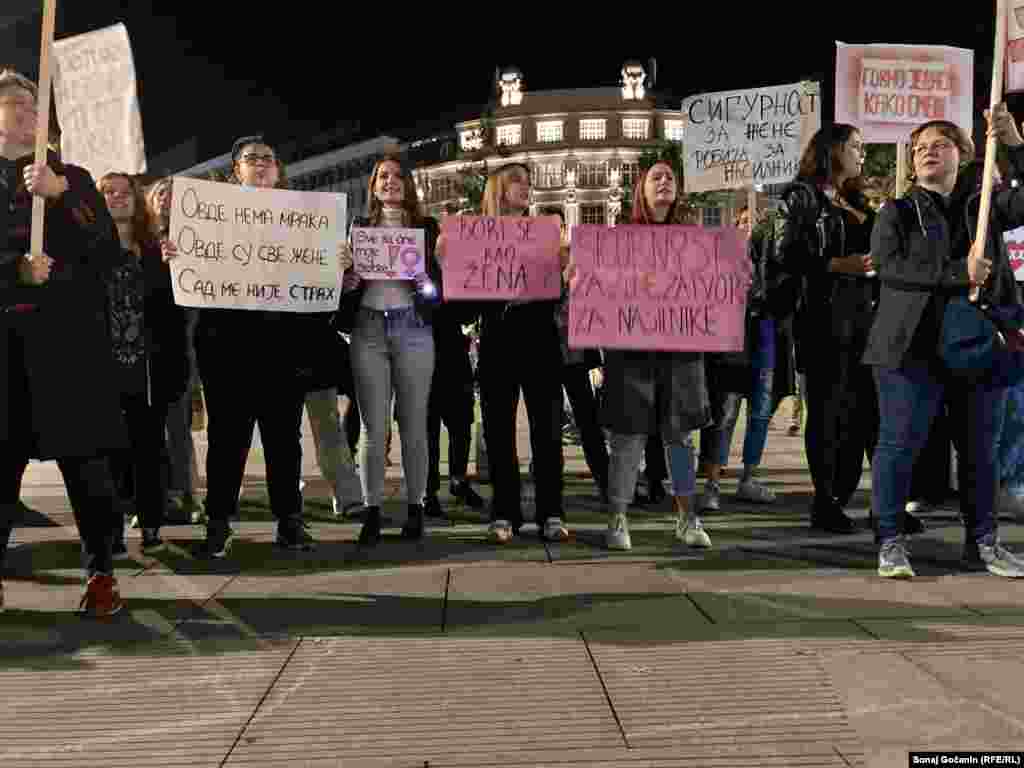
point(252, 373)
point(827, 273)
point(928, 261)
point(392, 350)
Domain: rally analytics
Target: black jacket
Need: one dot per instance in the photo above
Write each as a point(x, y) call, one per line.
point(57, 399)
point(922, 263)
point(425, 306)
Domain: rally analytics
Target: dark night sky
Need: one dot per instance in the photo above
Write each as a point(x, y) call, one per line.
point(219, 69)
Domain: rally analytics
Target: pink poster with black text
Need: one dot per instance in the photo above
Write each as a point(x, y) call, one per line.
point(888, 90)
point(671, 288)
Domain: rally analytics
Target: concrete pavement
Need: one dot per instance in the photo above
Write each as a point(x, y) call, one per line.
point(776, 648)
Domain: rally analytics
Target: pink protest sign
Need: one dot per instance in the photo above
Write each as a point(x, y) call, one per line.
point(886, 90)
point(501, 258)
point(384, 253)
point(672, 288)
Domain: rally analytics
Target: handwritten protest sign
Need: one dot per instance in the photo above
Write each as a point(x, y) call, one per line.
point(380, 253)
point(672, 288)
point(734, 139)
point(502, 257)
point(1015, 46)
point(97, 105)
point(1015, 251)
point(885, 90)
point(248, 248)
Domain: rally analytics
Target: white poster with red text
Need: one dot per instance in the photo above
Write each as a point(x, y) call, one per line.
point(887, 90)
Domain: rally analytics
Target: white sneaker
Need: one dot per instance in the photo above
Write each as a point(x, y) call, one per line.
point(1001, 561)
point(617, 535)
point(918, 507)
point(690, 531)
point(710, 500)
point(758, 493)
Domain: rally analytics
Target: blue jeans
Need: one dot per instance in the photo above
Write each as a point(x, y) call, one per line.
point(624, 464)
point(759, 410)
point(392, 351)
point(908, 400)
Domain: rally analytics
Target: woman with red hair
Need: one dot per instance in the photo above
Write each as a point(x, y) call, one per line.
point(650, 393)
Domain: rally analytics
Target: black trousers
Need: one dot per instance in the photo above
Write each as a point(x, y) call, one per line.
point(576, 380)
point(90, 490)
point(147, 460)
point(451, 401)
point(842, 419)
point(238, 397)
point(508, 364)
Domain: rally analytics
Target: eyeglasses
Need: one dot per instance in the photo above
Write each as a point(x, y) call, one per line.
point(252, 159)
point(938, 146)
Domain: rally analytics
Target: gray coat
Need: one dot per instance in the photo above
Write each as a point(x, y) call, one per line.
point(648, 393)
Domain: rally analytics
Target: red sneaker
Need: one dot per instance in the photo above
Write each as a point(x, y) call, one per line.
point(102, 598)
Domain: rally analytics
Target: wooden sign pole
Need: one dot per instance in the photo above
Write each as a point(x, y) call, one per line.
point(43, 123)
point(901, 169)
point(996, 96)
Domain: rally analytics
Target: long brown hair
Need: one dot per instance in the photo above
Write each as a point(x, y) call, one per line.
point(410, 200)
point(642, 213)
point(157, 225)
point(820, 163)
point(142, 227)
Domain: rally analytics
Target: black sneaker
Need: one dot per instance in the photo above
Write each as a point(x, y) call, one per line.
point(413, 528)
point(432, 507)
point(151, 541)
point(118, 550)
point(369, 534)
point(293, 535)
point(464, 492)
point(218, 539)
point(831, 518)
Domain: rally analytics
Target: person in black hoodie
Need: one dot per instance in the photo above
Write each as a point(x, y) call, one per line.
point(825, 270)
point(57, 402)
point(930, 263)
point(147, 331)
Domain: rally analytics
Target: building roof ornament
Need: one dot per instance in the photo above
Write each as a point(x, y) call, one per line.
point(510, 86)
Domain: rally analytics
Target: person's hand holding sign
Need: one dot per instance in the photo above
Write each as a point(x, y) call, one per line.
point(41, 181)
point(168, 250)
point(34, 270)
point(1002, 126)
point(345, 261)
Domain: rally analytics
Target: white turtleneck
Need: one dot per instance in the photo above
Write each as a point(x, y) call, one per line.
point(389, 294)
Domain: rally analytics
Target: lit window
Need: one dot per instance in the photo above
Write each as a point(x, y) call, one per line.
point(711, 217)
point(674, 130)
point(592, 214)
point(592, 130)
point(510, 134)
point(547, 175)
point(635, 127)
point(549, 131)
point(592, 175)
point(470, 140)
point(629, 173)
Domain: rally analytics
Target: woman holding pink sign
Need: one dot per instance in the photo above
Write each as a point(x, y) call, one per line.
point(654, 393)
point(392, 350)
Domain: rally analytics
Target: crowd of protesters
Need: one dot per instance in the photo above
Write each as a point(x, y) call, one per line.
point(103, 370)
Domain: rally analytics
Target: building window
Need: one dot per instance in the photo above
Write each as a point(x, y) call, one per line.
point(711, 217)
point(635, 127)
point(442, 188)
point(592, 214)
point(549, 131)
point(592, 130)
point(630, 172)
point(592, 175)
point(547, 175)
point(674, 130)
point(510, 134)
point(471, 140)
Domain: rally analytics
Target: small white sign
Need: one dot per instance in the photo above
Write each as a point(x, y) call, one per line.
point(387, 253)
